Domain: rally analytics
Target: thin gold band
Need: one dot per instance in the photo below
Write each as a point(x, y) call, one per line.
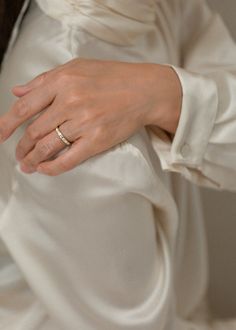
point(62, 137)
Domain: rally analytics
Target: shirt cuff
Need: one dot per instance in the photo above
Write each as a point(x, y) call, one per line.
point(196, 122)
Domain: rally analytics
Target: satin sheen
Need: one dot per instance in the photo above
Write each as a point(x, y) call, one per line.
point(118, 243)
point(119, 22)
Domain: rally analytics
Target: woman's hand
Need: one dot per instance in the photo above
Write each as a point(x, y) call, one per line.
point(96, 104)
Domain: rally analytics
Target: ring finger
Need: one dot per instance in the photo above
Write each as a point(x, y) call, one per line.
point(39, 128)
point(46, 148)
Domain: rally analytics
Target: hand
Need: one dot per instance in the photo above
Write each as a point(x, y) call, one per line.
point(96, 104)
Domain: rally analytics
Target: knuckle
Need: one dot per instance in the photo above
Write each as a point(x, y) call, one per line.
point(44, 149)
point(63, 78)
point(72, 98)
point(32, 133)
point(42, 77)
point(99, 133)
point(85, 117)
point(99, 139)
point(21, 107)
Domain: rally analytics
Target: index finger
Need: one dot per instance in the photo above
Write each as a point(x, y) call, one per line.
point(21, 90)
point(24, 108)
point(36, 82)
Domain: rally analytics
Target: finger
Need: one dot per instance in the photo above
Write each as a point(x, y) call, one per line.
point(79, 151)
point(38, 81)
point(42, 126)
point(29, 139)
point(46, 148)
point(24, 108)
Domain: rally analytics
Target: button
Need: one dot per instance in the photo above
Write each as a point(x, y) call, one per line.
point(185, 150)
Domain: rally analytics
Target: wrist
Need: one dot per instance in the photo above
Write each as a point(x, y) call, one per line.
point(166, 95)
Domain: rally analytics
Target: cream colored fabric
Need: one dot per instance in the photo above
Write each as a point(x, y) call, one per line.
point(116, 243)
point(204, 146)
point(119, 22)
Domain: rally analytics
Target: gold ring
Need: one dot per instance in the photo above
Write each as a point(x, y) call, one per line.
point(62, 137)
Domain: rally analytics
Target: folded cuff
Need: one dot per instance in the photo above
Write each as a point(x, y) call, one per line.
point(197, 118)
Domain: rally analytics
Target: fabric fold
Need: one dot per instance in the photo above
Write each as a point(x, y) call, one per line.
point(119, 22)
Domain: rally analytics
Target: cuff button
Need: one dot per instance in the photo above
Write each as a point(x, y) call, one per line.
point(185, 150)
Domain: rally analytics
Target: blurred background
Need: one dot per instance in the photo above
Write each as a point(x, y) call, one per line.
point(220, 214)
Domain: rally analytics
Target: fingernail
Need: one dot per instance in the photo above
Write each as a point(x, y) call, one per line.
point(40, 169)
point(26, 169)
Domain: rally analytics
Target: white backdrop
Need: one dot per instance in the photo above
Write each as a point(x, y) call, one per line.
point(220, 213)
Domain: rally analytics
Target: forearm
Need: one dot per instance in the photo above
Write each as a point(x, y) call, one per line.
point(167, 99)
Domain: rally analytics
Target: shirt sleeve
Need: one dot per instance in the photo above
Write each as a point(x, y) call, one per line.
point(203, 148)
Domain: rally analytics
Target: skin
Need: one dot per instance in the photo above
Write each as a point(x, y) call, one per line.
point(96, 104)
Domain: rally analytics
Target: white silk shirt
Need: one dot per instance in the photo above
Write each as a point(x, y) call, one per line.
point(118, 243)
